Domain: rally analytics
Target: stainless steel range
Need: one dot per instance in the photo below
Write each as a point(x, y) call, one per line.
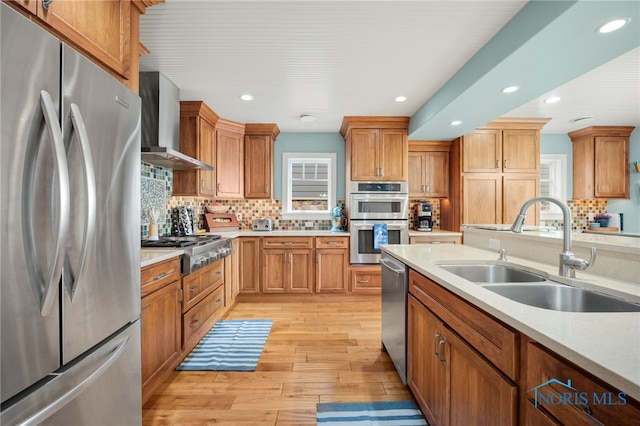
point(199, 250)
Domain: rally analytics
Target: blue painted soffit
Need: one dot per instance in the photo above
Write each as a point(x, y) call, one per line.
point(545, 45)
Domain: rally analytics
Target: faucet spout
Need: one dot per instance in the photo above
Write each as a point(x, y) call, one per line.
point(568, 261)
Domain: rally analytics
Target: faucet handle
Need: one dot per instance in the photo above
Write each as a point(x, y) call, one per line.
point(583, 264)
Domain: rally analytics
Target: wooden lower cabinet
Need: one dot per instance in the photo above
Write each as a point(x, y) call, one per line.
point(198, 320)
point(453, 383)
point(161, 323)
point(249, 269)
point(366, 279)
point(332, 266)
point(287, 271)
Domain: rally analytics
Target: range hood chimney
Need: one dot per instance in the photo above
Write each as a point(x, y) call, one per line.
point(161, 124)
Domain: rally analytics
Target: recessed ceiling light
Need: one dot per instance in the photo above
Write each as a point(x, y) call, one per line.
point(307, 118)
point(456, 122)
point(510, 89)
point(552, 99)
point(613, 25)
point(401, 99)
point(246, 97)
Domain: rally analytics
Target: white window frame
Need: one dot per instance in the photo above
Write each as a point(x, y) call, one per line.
point(557, 183)
point(287, 210)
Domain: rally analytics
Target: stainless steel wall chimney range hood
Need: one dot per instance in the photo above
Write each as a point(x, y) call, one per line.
point(161, 124)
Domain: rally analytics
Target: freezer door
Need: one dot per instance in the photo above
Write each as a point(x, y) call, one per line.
point(100, 388)
point(101, 278)
point(33, 201)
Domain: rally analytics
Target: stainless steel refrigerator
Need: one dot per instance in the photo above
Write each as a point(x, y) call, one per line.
point(70, 259)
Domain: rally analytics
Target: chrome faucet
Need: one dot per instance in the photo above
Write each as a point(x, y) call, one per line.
point(568, 261)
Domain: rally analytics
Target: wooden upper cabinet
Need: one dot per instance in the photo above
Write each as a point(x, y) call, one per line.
point(521, 150)
point(481, 151)
point(377, 148)
point(258, 160)
point(197, 140)
point(229, 159)
point(429, 169)
point(601, 162)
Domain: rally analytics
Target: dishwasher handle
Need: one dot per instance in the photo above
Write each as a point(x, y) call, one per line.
point(390, 265)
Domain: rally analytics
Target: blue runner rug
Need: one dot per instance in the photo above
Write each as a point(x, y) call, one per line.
point(389, 413)
point(231, 345)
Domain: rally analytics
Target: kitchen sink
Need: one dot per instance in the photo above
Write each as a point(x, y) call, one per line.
point(493, 273)
point(559, 297)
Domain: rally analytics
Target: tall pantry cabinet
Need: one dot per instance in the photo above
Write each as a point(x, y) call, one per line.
point(493, 171)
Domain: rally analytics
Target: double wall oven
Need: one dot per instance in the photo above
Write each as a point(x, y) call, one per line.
point(372, 203)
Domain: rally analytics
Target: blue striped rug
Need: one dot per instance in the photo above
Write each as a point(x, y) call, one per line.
point(388, 413)
point(230, 345)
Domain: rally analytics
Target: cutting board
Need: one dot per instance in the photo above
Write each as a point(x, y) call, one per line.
point(607, 229)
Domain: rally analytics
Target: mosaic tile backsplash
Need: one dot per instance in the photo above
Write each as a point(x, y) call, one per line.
point(154, 178)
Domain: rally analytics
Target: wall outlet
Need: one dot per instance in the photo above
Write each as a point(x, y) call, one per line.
point(494, 244)
point(308, 224)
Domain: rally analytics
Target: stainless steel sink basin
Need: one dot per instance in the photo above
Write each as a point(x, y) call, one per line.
point(559, 297)
point(493, 273)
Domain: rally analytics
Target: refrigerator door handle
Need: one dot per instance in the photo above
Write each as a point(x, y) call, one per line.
point(64, 387)
point(46, 286)
point(90, 185)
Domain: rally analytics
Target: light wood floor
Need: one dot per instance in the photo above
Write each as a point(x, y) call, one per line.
point(316, 352)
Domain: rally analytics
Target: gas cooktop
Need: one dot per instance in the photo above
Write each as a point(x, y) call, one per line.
point(180, 240)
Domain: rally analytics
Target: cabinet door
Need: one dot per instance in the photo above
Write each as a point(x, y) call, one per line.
point(99, 28)
point(425, 373)
point(160, 320)
point(482, 198)
point(481, 151)
point(331, 270)
point(275, 270)
point(207, 155)
point(235, 268)
point(393, 155)
point(517, 188)
point(478, 393)
point(366, 279)
point(30, 5)
point(611, 167)
point(520, 151)
point(417, 174)
point(258, 162)
point(364, 154)
point(249, 270)
point(229, 164)
point(437, 174)
point(300, 271)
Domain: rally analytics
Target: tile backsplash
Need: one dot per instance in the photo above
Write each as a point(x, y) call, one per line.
point(157, 185)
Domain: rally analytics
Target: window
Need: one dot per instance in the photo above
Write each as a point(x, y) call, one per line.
point(308, 185)
point(553, 183)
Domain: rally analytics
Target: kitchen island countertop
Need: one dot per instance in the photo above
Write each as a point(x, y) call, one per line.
point(605, 344)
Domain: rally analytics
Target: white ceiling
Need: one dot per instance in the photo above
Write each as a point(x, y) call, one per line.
point(350, 57)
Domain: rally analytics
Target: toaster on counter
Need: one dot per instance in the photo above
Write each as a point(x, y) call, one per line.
point(263, 224)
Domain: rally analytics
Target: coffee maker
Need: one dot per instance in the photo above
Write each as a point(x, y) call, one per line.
point(424, 218)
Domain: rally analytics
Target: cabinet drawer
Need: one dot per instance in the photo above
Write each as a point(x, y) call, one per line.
point(194, 320)
point(197, 285)
point(332, 242)
point(366, 279)
point(287, 242)
point(589, 402)
point(434, 240)
point(487, 335)
point(156, 276)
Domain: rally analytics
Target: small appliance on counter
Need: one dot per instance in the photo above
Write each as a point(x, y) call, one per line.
point(424, 217)
point(338, 220)
point(263, 224)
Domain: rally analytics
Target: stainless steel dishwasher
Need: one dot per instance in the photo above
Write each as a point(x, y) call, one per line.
point(394, 311)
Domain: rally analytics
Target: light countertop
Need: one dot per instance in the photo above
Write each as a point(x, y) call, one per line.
point(149, 256)
point(605, 344)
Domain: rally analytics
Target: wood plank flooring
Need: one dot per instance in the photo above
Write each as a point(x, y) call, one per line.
point(317, 352)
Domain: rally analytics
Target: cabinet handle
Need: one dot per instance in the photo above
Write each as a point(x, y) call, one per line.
point(435, 242)
point(287, 243)
point(381, 171)
point(497, 164)
point(317, 258)
point(440, 344)
point(218, 187)
point(435, 343)
point(333, 243)
point(505, 164)
point(194, 323)
point(363, 281)
point(181, 296)
point(217, 274)
point(194, 288)
point(161, 276)
point(424, 188)
point(428, 189)
point(219, 301)
point(46, 3)
point(266, 188)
